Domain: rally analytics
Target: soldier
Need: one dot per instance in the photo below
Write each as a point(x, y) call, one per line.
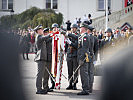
point(83, 52)
point(55, 29)
point(107, 44)
point(43, 58)
point(83, 57)
point(71, 48)
point(93, 53)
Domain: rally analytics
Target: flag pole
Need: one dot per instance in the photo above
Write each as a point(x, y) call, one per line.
point(106, 15)
point(51, 4)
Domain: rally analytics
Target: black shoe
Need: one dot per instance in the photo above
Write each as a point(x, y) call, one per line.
point(49, 90)
point(74, 87)
point(69, 87)
point(41, 92)
point(28, 59)
point(90, 90)
point(83, 93)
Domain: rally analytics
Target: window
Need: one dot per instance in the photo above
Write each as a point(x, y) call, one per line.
point(7, 4)
point(102, 4)
point(4, 4)
point(55, 4)
point(48, 4)
point(109, 3)
point(10, 4)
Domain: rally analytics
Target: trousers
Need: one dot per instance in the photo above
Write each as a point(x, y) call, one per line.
point(42, 75)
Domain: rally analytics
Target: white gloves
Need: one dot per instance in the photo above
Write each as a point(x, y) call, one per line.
point(68, 41)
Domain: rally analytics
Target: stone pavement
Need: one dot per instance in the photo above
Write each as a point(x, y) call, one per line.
point(29, 70)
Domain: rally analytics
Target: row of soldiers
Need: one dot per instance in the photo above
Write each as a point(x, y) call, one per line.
point(81, 49)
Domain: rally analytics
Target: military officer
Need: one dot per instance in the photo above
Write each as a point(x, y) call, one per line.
point(71, 48)
point(93, 53)
point(43, 59)
point(83, 58)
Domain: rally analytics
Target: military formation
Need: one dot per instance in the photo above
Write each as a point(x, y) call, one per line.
point(83, 44)
point(81, 49)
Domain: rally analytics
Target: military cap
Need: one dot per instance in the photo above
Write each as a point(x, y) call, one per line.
point(90, 28)
point(109, 30)
point(84, 25)
point(46, 30)
point(38, 27)
point(74, 26)
point(55, 25)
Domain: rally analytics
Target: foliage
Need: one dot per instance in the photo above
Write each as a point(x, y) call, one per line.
point(31, 17)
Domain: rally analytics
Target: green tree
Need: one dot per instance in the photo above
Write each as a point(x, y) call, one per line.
point(31, 17)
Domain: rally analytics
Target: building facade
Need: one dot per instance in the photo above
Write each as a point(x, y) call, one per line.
point(70, 9)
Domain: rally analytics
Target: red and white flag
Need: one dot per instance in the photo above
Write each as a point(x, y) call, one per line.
point(58, 50)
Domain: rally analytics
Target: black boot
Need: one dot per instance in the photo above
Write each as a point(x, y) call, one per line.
point(53, 85)
point(74, 86)
point(27, 56)
point(83, 93)
point(69, 87)
point(91, 88)
point(23, 56)
point(41, 92)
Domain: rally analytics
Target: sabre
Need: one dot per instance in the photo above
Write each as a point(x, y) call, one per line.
point(76, 79)
point(64, 76)
point(50, 74)
point(76, 71)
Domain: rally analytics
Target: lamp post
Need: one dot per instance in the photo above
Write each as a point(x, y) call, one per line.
point(51, 4)
point(11, 12)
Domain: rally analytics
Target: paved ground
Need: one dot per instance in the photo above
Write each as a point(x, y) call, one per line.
point(29, 69)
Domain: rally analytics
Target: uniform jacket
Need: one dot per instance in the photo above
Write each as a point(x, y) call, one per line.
point(71, 49)
point(44, 45)
point(83, 46)
point(93, 46)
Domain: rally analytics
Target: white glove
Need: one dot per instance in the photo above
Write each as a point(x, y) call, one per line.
point(94, 62)
point(68, 41)
point(67, 33)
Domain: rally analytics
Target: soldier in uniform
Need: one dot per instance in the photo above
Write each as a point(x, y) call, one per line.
point(43, 59)
point(83, 54)
point(55, 29)
point(93, 53)
point(71, 48)
point(83, 57)
point(107, 44)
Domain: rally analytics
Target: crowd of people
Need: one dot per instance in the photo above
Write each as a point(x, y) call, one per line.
point(78, 21)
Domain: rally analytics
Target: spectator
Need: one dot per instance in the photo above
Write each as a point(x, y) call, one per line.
point(79, 22)
point(89, 22)
point(68, 25)
point(25, 45)
point(85, 19)
point(32, 42)
point(75, 21)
